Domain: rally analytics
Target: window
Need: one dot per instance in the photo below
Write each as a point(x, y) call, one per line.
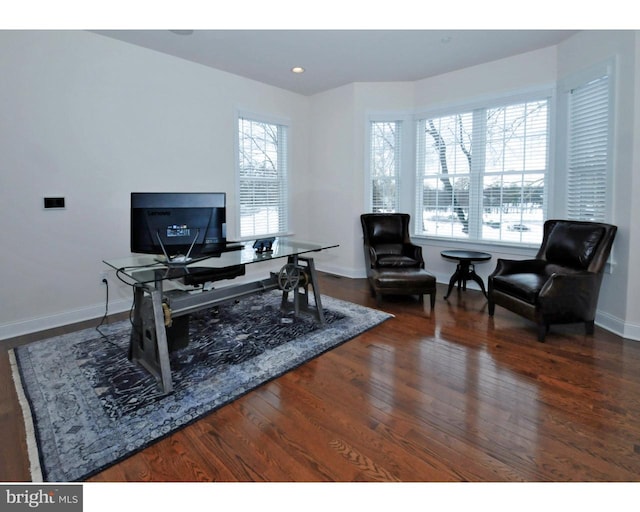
point(481, 173)
point(384, 165)
point(588, 153)
point(262, 178)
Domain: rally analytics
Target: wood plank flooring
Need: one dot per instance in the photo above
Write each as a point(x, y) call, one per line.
point(448, 395)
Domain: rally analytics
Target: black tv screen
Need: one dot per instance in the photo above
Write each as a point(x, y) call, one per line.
point(178, 223)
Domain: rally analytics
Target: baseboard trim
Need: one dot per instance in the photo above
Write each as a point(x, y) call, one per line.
point(618, 326)
point(341, 271)
point(12, 330)
point(33, 325)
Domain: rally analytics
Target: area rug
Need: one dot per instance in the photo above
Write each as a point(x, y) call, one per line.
point(86, 406)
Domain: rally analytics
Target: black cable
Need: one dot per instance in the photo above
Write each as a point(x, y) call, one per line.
point(106, 314)
point(119, 273)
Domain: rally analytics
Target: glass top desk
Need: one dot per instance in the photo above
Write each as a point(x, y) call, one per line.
point(155, 310)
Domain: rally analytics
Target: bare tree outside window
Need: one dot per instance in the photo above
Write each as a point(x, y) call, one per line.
point(262, 176)
point(482, 173)
point(457, 135)
point(385, 165)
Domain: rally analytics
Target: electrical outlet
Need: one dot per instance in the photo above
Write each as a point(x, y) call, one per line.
point(104, 277)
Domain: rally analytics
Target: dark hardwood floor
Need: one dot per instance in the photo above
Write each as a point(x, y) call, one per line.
point(448, 395)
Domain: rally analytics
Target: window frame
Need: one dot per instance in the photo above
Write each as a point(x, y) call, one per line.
point(406, 158)
point(284, 227)
point(544, 92)
point(397, 150)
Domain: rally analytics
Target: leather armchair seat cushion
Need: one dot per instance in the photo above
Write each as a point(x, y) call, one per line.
point(525, 286)
point(573, 245)
point(404, 277)
point(396, 261)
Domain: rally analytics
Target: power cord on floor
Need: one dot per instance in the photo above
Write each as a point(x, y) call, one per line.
point(106, 313)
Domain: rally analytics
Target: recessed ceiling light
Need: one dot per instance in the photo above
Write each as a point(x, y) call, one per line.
point(297, 69)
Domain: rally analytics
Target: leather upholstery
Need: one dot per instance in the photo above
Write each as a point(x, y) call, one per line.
point(573, 245)
point(562, 283)
point(394, 264)
point(525, 286)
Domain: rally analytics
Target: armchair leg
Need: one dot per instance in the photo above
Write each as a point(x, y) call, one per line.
point(543, 329)
point(589, 327)
point(492, 307)
point(432, 299)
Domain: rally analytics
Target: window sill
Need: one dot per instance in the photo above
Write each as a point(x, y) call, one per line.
point(528, 251)
point(523, 251)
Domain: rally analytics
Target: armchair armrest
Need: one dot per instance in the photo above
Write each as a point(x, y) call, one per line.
point(373, 257)
point(505, 267)
point(570, 294)
point(413, 251)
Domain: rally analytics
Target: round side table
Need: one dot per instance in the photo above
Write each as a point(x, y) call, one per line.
point(465, 269)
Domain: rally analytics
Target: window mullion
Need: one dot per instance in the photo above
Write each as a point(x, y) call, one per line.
point(478, 152)
point(418, 224)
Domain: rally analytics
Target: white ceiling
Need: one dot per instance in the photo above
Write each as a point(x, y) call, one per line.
point(337, 57)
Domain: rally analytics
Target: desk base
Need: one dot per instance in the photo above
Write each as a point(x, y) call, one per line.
point(154, 312)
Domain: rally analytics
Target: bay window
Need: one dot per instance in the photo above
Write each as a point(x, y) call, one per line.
point(481, 173)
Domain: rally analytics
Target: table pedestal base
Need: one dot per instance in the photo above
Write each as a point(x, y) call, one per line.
point(465, 270)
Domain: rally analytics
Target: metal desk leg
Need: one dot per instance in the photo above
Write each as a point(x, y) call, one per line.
point(316, 290)
point(296, 290)
point(148, 344)
point(310, 269)
point(161, 342)
point(135, 339)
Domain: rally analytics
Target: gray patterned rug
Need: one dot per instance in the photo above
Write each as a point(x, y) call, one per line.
point(87, 407)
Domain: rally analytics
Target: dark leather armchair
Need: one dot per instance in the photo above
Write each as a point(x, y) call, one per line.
point(394, 264)
point(562, 283)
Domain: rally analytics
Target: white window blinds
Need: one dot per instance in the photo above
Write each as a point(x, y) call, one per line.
point(588, 156)
point(384, 161)
point(481, 174)
point(262, 178)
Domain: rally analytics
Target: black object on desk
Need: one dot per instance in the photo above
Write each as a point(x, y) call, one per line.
point(264, 244)
point(465, 269)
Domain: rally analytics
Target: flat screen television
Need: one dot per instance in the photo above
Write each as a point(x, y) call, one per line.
point(178, 225)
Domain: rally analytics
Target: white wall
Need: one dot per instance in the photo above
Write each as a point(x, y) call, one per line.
point(532, 69)
point(620, 288)
point(331, 175)
point(93, 119)
point(632, 315)
point(337, 162)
